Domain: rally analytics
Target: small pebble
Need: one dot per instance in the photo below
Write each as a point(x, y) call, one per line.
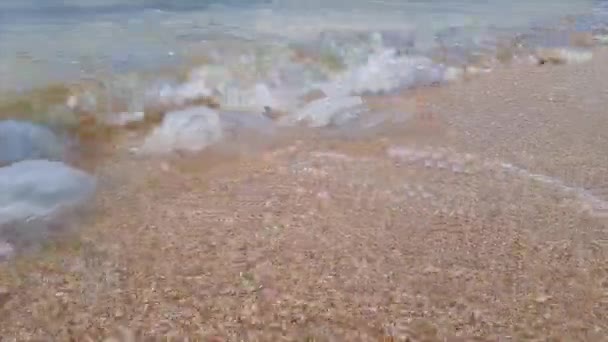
point(437, 155)
point(457, 168)
point(542, 299)
point(475, 317)
point(5, 295)
point(431, 270)
point(324, 195)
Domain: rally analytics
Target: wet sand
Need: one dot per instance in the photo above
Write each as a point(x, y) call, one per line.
point(419, 232)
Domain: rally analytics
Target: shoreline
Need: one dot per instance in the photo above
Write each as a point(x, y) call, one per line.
point(330, 238)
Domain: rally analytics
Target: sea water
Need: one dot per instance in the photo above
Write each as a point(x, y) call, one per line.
point(127, 56)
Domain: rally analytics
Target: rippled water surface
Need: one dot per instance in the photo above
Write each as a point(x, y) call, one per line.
point(50, 40)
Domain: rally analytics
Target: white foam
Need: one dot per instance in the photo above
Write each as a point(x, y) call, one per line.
point(453, 74)
point(563, 55)
point(601, 39)
point(596, 205)
point(124, 118)
point(84, 101)
point(586, 197)
point(574, 56)
point(253, 99)
point(385, 71)
point(184, 93)
point(326, 111)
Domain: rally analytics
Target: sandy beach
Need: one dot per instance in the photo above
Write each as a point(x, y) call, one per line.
point(476, 218)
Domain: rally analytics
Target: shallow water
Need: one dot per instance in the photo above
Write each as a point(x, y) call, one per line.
point(45, 41)
point(118, 58)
